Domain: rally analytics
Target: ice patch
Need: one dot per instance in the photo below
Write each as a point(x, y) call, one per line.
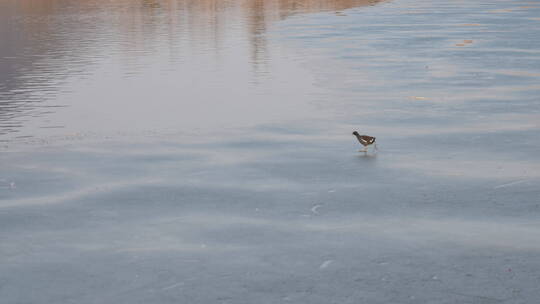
point(314, 209)
point(511, 184)
point(325, 264)
point(173, 286)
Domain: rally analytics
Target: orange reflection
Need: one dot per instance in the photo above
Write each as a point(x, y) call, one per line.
point(205, 21)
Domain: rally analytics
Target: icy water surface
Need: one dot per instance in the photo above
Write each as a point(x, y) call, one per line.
point(201, 151)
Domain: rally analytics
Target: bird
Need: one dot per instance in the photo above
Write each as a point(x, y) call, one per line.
point(365, 140)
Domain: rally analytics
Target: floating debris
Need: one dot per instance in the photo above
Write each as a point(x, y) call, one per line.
point(314, 209)
point(325, 264)
point(173, 286)
point(465, 42)
point(511, 184)
point(505, 10)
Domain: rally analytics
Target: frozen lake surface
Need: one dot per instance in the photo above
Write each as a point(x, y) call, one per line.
point(201, 151)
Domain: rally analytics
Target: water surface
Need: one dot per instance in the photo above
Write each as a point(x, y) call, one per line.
point(111, 67)
point(201, 151)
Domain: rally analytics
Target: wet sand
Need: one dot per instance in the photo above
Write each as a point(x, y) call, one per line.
point(277, 206)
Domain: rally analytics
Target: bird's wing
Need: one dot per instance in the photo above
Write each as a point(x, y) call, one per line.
point(367, 138)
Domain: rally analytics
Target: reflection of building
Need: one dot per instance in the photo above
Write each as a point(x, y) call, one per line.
point(44, 42)
point(262, 12)
point(40, 27)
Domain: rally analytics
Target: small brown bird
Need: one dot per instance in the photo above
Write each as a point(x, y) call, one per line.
point(365, 140)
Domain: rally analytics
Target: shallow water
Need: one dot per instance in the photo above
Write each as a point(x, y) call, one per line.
point(200, 151)
point(115, 67)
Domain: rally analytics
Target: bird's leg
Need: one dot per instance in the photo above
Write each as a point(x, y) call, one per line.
point(375, 146)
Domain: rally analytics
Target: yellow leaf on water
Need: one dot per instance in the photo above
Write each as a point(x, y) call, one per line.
point(507, 10)
point(467, 41)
